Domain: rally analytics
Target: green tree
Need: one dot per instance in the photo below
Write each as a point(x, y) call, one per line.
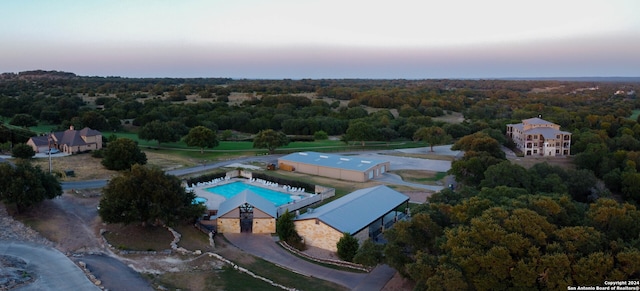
point(94, 120)
point(480, 142)
point(630, 185)
point(201, 137)
point(24, 120)
point(432, 135)
point(121, 154)
point(27, 185)
point(591, 158)
point(615, 220)
point(320, 135)
point(286, 230)
point(147, 196)
point(362, 130)
point(270, 139)
point(580, 184)
point(22, 151)
point(369, 254)
point(160, 131)
point(347, 247)
point(506, 174)
point(227, 134)
point(447, 277)
point(471, 168)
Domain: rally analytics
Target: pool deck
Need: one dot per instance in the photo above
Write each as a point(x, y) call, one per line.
point(214, 201)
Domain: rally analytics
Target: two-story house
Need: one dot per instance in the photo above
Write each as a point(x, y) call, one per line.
point(70, 141)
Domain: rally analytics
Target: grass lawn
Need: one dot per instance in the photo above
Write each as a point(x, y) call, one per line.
point(43, 128)
point(422, 177)
point(635, 114)
point(138, 238)
point(424, 156)
point(288, 278)
point(192, 238)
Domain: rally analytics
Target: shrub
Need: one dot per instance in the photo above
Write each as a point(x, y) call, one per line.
point(347, 247)
point(286, 230)
point(22, 151)
point(369, 254)
point(320, 135)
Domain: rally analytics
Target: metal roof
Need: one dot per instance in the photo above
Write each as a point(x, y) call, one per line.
point(247, 196)
point(358, 209)
point(352, 163)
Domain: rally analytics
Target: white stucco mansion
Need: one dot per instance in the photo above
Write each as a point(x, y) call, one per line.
point(538, 137)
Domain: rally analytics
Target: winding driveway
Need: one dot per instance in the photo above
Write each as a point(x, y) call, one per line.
point(263, 246)
point(53, 270)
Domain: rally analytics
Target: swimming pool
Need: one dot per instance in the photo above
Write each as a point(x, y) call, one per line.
point(232, 189)
point(199, 200)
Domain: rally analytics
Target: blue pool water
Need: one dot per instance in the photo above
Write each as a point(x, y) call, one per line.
point(229, 190)
point(200, 200)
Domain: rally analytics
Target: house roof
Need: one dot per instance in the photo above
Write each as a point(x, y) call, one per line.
point(73, 137)
point(40, 140)
point(358, 209)
point(536, 120)
point(247, 196)
point(546, 132)
point(333, 161)
point(89, 132)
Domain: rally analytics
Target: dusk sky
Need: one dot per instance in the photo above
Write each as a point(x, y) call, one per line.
point(323, 39)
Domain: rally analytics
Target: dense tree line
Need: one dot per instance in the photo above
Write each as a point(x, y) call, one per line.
point(505, 227)
point(508, 228)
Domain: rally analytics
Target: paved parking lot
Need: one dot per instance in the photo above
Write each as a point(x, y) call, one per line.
point(409, 163)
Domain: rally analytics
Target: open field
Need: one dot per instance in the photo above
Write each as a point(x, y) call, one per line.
point(428, 155)
point(454, 117)
point(84, 166)
point(423, 177)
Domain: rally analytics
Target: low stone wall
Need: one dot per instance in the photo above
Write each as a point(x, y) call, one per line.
point(183, 251)
point(338, 263)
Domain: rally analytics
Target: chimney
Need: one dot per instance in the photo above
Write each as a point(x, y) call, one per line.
point(71, 127)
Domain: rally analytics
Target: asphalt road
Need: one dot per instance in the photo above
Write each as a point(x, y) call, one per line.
point(263, 246)
point(53, 269)
point(114, 274)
